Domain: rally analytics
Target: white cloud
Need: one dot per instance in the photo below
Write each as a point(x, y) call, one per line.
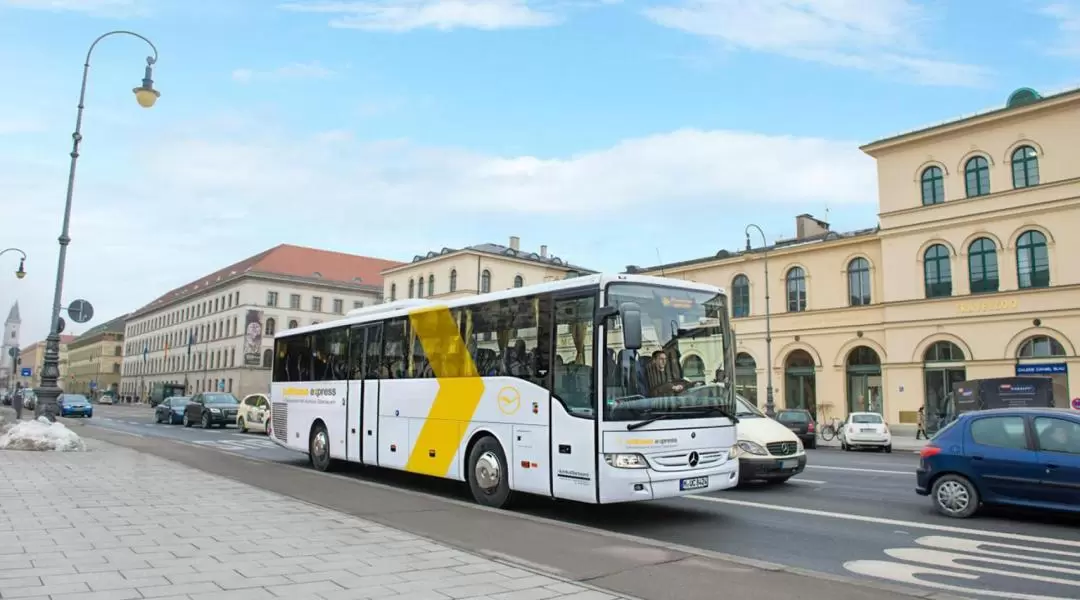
point(880, 35)
point(312, 70)
point(106, 8)
point(444, 15)
point(1067, 15)
point(149, 216)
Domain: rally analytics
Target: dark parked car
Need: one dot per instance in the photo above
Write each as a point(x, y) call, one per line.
point(801, 423)
point(211, 408)
point(1027, 457)
point(171, 411)
point(74, 405)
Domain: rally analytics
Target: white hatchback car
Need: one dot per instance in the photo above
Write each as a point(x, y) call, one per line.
point(865, 430)
point(253, 413)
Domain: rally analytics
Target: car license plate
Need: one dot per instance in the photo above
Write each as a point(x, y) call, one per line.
point(694, 483)
point(867, 430)
point(788, 464)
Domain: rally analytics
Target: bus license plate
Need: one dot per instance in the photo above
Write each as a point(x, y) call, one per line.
point(788, 464)
point(694, 483)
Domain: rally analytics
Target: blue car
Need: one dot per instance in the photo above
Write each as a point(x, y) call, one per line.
point(75, 405)
point(1025, 457)
point(171, 411)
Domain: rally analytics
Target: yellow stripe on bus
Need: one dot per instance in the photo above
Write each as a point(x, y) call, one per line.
point(460, 390)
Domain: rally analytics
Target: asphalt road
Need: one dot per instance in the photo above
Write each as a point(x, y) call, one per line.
point(852, 514)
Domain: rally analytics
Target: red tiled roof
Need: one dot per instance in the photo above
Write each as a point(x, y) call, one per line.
point(290, 261)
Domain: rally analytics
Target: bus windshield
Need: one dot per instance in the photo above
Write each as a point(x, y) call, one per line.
point(681, 370)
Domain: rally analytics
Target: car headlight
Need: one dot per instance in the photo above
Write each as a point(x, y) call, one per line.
point(626, 461)
point(752, 448)
point(799, 445)
point(215, 410)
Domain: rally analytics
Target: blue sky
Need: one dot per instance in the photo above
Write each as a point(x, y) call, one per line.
point(614, 131)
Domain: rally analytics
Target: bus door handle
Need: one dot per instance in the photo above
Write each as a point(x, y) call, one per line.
point(564, 449)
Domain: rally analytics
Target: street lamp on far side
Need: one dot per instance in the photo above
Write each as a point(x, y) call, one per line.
point(21, 271)
point(770, 405)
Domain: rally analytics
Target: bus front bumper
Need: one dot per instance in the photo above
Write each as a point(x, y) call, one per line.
point(629, 485)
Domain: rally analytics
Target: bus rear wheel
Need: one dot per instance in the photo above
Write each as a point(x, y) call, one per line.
point(319, 448)
point(488, 475)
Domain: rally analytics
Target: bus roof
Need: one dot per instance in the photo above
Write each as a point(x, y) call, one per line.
point(400, 308)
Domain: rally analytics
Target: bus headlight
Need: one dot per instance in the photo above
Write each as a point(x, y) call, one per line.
point(732, 452)
point(626, 461)
point(752, 448)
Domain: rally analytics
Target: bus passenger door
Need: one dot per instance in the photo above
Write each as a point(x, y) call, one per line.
point(370, 338)
point(572, 381)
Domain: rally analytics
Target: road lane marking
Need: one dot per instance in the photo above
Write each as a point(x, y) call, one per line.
point(977, 547)
point(861, 470)
point(951, 559)
point(808, 481)
point(909, 574)
point(1018, 537)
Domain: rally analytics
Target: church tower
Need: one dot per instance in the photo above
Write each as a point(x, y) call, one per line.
point(8, 369)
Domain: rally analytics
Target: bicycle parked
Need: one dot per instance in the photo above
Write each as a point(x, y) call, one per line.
point(830, 430)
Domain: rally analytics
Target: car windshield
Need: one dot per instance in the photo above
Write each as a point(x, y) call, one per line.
point(681, 370)
point(792, 416)
point(866, 419)
point(75, 399)
point(746, 409)
point(178, 401)
point(220, 399)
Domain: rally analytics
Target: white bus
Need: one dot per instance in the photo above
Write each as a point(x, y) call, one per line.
point(600, 389)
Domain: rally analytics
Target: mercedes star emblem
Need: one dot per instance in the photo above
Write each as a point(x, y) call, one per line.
point(694, 458)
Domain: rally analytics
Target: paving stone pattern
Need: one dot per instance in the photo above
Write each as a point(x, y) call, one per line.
point(113, 524)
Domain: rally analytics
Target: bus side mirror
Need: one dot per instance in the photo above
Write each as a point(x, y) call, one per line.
point(631, 325)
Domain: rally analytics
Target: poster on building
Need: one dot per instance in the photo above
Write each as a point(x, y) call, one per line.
point(253, 338)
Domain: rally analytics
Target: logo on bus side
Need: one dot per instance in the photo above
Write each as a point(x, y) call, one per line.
point(509, 400)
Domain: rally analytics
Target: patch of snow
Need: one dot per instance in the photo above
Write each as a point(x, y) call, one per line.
point(41, 435)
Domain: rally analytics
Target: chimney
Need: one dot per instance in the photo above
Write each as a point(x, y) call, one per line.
point(515, 242)
point(543, 251)
point(806, 226)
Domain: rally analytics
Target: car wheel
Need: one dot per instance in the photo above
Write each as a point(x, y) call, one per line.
point(187, 422)
point(955, 496)
point(888, 449)
point(845, 447)
point(206, 421)
point(488, 474)
point(319, 448)
point(777, 480)
point(241, 425)
point(812, 444)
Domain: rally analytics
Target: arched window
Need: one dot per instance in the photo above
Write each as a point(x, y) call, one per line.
point(933, 186)
point(293, 324)
point(431, 285)
point(746, 377)
point(944, 351)
point(420, 287)
point(937, 269)
point(485, 282)
point(796, 289)
point(800, 381)
point(1032, 260)
point(393, 292)
point(864, 390)
point(271, 326)
point(1025, 167)
point(740, 297)
point(1040, 346)
point(983, 266)
point(453, 280)
point(518, 281)
point(977, 176)
point(412, 288)
point(943, 365)
point(858, 282)
point(268, 358)
point(693, 368)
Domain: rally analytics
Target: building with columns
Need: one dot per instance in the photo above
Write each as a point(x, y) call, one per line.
point(94, 359)
point(449, 273)
point(967, 275)
point(216, 332)
point(9, 349)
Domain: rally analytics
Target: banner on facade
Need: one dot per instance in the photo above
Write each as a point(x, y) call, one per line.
point(253, 338)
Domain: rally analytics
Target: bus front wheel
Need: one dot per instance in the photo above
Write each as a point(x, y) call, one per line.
point(488, 473)
point(319, 448)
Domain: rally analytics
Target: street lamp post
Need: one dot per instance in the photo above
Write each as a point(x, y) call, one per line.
point(770, 406)
point(146, 96)
point(21, 271)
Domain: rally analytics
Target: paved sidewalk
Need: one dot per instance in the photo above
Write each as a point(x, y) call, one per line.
point(114, 524)
point(900, 443)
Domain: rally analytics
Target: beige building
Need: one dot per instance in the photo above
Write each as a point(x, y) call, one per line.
point(450, 273)
point(969, 274)
point(94, 360)
point(216, 333)
point(33, 356)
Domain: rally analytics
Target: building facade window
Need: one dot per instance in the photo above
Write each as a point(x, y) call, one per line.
point(393, 292)
point(339, 306)
point(933, 186)
point(746, 377)
point(316, 304)
point(694, 368)
point(293, 324)
point(1035, 350)
point(863, 367)
point(983, 266)
point(800, 381)
point(796, 289)
point(271, 298)
point(453, 280)
point(294, 301)
point(519, 281)
point(271, 326)
point(977, 176)
point(431, 285)
point(859, 282)
point(943, 365)
point(485, 282)
point(1032, 260)
point(1025, 167)
point(937, 271)
point(412, 288)
point(420, 287)
point(740, 297)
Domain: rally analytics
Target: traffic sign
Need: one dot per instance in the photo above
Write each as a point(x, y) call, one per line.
point(93, 385)
point(60, 324)
point(1076, 403)
point(26, 371)
point(11, 352)
point(80, 311)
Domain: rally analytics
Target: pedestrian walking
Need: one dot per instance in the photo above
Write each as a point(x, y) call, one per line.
point(17, 404)
point(921, 431)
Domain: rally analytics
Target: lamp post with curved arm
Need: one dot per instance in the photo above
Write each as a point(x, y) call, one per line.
point(770, 406)
point(21, 271)
point(146, 96)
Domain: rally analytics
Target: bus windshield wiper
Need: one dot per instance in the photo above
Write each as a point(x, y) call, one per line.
point(656, 417)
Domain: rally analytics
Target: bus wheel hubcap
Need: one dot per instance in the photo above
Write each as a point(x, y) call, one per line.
point(320, 445)
point(488, 472)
